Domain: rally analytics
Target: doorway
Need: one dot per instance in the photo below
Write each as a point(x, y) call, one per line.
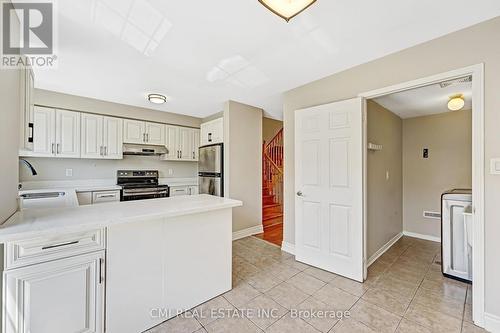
point(477, 168)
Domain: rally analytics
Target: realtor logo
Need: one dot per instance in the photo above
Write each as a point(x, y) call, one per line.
point(27, 34)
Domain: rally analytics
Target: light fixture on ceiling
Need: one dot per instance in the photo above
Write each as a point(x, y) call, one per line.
point(287, 9)
point(456, 102)
point(157, 98)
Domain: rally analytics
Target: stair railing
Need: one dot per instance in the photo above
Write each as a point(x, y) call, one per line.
point(272, 167)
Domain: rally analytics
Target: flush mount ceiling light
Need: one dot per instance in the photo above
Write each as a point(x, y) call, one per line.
point(287, 9)
point(157, 98)
point(456, 102)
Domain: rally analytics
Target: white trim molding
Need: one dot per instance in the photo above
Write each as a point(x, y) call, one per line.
point(491, 322)
point(258, 229)
point(288, 247)
point(422, 236)
point(383, 249)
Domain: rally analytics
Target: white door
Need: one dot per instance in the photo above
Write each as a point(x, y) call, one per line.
point(205, 129)
point(61, 296)
point(44, 132)
point(67, 134)
point(91, 142)
point(329, 187)
point(155, 134)
point(196, 144)
point(113, 138)
point(134, 131)
point(185, 143)
point(172, 137)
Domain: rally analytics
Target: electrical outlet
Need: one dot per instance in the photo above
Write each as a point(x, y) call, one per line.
point(69, 172)
point(170, 172)
point(387, 175)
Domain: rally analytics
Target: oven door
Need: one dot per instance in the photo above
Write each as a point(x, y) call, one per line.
point(144, 193)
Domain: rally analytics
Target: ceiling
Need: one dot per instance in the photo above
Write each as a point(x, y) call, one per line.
point(426, 100)
point(202, 53)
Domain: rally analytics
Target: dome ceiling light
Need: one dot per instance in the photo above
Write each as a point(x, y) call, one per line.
point(287, 9)
point(157, 98)
point(456, 102)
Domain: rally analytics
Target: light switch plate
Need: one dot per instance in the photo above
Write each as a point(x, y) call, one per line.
point(495, 166)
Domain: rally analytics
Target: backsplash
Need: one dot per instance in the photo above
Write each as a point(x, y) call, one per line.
point(55, 168)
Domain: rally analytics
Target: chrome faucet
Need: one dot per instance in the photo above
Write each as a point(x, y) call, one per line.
point(30, 167)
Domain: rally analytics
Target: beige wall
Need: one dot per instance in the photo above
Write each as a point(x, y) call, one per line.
point(85, 104)
point(460, 49)
point(448, 136)
point(55, 168)
point(9, 138)
point(270, 127)
point(385, 196)
point(243, 165)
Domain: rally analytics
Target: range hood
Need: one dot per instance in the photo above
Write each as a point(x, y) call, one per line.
point(144, 150)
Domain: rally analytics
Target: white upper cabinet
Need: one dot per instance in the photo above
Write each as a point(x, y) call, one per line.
point(27, 109)
point(155, 134)
point(134, 131)
point(56, 133)
point(212, 132)
point(44, 132)
point(67, 134)
point(113, 138)
point(101, 137)
point(142, 132)
point(182, 143)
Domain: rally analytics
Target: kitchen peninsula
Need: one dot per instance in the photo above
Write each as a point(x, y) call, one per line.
point(114, 267)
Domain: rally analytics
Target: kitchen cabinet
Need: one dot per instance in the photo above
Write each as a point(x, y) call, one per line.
point(212, 132)
point(27, 109)
point(65, 295)
point(182, 143)
point(101, 137)
point(143, 132)
point(95, 197)
point(183, 190)
point(56, 133)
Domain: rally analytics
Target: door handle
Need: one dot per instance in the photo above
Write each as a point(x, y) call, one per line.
point(143, 137)
point(60, 245)
point(53, 148)
point(58, 148)
point(147, 137)
point(193, 156)
point(101, 262)
point(106, 150)
point(300, 194)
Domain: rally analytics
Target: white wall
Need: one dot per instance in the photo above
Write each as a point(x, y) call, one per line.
point(9, 139)
point(470, 46)
point(243, 162)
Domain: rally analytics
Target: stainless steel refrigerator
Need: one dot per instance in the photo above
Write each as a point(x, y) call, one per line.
point(210, 170)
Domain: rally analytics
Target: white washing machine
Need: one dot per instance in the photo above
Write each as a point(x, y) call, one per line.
point(456, 256)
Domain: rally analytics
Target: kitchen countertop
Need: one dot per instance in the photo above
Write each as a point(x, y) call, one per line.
point(37, 222)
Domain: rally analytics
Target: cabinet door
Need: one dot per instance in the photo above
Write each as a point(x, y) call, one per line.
point(172, 143)
point(185, 143)
point(27, 109)
point(155, 134)
point(134, 131)
point(92, 140)
point(205, 129)
point(113, 138)
point(44, 139)
point(217, 131)
point(179, 190)
point(196, 143)
point(67, 134)
point(193, 190)
point(61, 296)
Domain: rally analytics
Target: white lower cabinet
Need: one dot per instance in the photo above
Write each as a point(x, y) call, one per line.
point(60, 296)
point(183, 190)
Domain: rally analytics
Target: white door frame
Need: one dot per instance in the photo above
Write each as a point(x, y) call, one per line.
point(478, 164)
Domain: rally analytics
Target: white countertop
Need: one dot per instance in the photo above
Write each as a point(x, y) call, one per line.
point(37, 222)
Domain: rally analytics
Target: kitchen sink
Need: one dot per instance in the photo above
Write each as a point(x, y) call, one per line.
point(42, 195)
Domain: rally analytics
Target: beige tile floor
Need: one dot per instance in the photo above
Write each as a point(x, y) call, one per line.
point(405, 292)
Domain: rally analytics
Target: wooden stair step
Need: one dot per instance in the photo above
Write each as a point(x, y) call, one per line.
point(271, 216)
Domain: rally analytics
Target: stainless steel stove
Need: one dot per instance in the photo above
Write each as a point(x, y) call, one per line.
point(140, 184)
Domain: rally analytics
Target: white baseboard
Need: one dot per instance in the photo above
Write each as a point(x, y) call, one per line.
point(491, 323)
point(288, 247)
point(384, 248)
point(422, 236)
point(258, 229)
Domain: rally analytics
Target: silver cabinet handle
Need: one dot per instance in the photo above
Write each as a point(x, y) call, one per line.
point(147, 137)
point(143, 137)
point(58, 148)
point(53, 148)
point(100, 150)
point(60, 245)
point(106, 196)
point(106, 150)
point(101, 263)
point(300, 194)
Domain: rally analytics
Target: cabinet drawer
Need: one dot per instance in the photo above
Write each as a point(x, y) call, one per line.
point(42, 249)
point(105, 196)
point(176, 191)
